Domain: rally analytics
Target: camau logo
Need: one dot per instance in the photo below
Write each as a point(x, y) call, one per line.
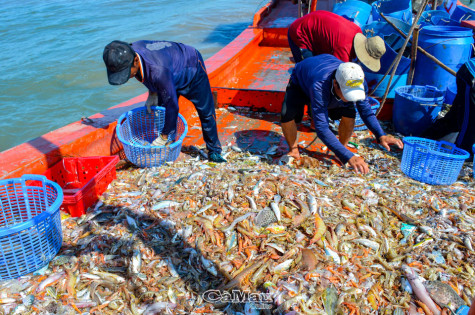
point(259, 300)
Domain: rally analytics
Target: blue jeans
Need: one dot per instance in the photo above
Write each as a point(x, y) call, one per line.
point(199, 93)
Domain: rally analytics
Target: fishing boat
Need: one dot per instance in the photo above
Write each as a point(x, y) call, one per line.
point(249, 74)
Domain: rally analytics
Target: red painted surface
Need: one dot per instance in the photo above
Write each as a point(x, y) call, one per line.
point(468, 24)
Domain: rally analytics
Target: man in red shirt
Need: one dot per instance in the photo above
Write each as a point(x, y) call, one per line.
point(323, 32)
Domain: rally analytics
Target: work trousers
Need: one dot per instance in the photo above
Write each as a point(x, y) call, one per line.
point(299, 54)
point(199, 93)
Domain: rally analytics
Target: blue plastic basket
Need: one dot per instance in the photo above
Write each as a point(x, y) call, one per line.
point(432, 162)
point(358, 121)
point(137, 129)
point(473, 150)
point(30, 224)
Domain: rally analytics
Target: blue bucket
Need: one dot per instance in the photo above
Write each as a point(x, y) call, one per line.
point(450, 93)
point(416, 108)
point(386, 31)
point(373, 78)
point(401, 9)
point(353, 10)
point(452, 45)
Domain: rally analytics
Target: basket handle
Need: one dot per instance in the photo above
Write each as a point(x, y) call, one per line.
point(40, 178)
point(431, 88)
point(447, 145)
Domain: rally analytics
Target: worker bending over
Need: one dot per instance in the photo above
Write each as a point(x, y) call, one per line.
point(323, 32)
point(168, 70)
point(333, 88)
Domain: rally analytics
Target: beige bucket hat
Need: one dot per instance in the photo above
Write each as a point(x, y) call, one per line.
point(369, 50)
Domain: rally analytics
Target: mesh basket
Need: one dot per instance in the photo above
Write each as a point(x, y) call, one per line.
point(359, 123)
point(137, 129)
point(432, 162)
point(30, 224)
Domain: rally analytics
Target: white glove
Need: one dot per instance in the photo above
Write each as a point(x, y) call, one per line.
point(160, 141)
point(152, 100)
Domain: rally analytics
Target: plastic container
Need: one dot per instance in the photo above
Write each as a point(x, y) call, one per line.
point(452, 45)
point(83, 180)
point(392, 41)
point(358, 121)
point(353, 10)
point(434, 17)
point(432, 162)
point(392, 38)
point(450, 93)
point(401, 9)
point(373, 78)
point(137, 129)
point(473, 151)
point(463, 13)
point(30, 224)
point(416, 108)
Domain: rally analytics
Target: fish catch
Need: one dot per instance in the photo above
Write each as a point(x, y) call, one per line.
point(306, 236)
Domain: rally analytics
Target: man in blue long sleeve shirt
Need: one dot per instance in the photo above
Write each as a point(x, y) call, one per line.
point(332, 88)
point(168, 70)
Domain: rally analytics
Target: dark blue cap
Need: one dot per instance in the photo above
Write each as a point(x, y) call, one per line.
point(119, 58)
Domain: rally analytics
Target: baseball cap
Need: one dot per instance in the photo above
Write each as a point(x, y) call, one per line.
point(369, 50)
point(350, 78)
point(119, 58)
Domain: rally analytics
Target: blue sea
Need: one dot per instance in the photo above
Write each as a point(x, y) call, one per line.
point(52, 71)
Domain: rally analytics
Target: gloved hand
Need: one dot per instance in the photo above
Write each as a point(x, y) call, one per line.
point(160, 141)
point(152, 100)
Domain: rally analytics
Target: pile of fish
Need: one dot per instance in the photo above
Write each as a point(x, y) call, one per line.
point(305, 238)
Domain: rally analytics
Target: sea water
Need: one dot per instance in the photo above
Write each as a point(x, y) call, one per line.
point(52, 71)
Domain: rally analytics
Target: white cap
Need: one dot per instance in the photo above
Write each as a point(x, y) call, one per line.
point(350, 78)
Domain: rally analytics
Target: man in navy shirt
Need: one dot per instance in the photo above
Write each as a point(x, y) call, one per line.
point(168, 70)
point(332, 88)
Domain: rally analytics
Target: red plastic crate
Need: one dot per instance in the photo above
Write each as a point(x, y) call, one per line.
point(83, 180)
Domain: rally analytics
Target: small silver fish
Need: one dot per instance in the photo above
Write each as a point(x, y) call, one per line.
point(276, 210)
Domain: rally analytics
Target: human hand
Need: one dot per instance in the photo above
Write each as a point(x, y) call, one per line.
point(160, 141)
point(358, 164)
point(388, 140)
point(152, 100)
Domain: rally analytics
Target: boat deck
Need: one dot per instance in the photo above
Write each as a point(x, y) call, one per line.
point(281, 16)
point(255, 133)
point(268, 69)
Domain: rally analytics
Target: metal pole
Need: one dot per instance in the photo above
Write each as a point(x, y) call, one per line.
point(300, 8)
